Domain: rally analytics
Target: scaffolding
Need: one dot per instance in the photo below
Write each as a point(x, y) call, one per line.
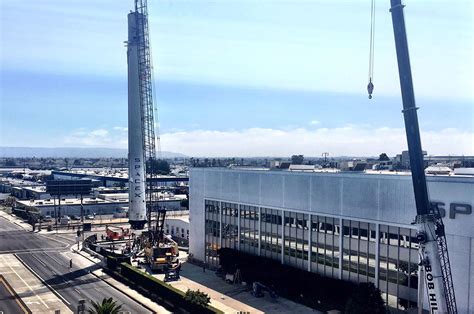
point(147, 105)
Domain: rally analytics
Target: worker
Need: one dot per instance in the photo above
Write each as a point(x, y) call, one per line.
point(178, 269)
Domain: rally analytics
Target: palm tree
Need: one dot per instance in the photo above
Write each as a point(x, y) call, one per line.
point(108, 306)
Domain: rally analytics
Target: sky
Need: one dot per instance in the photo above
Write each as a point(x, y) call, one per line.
point(238, 78)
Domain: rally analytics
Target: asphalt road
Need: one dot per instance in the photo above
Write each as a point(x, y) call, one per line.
point(42, 254)
point(14, 239)
point(75, 284)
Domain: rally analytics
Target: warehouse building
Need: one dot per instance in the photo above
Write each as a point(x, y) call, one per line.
point(72, 206)
point(118, 177)
point(351, 226)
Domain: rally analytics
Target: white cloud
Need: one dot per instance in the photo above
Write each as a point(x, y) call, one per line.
point(96, 138)
point(314, 122)
point(120, 128)
point(350, 140)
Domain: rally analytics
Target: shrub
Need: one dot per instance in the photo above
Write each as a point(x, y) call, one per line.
point(365, 299)
point(197, 297)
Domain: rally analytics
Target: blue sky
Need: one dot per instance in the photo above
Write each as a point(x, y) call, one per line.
point(239, 77)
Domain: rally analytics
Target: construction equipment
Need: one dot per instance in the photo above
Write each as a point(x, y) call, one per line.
point(163, 255)
point(433, 251)
point(116, 233)
point(258, 288)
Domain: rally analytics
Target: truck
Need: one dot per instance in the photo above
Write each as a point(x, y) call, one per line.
point(116, 233)
point(64, 220)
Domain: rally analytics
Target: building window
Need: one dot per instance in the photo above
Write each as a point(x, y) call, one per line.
point(230, 233)
point(249, 221)
point(212, 232)
point(325, 233)
point(271, 233)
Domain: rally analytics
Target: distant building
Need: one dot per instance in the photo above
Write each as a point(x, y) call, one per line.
point(178, 227)
point(353, 165)
point(116, 177)
point(72, 206)
point(405, 159)
point(302, 168)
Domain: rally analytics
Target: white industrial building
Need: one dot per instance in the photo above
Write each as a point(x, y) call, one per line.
point(307, 220)
point(72, 206)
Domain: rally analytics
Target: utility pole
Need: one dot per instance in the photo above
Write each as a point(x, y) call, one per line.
point(325, 155)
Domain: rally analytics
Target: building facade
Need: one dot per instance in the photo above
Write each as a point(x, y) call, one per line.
point(351, 226)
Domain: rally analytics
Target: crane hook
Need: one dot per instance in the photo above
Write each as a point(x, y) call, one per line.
point(370, 88)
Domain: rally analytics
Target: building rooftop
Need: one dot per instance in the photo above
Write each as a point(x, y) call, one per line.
point(69, 201)
point(463, 174)
point(121, 174)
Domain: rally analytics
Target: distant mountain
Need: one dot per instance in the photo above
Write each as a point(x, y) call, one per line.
point(72, 152)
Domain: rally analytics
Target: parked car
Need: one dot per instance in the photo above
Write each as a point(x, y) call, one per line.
point(47, 218)
point(74, 217)
point(90, 217)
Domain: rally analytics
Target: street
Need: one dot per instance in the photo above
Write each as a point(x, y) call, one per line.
point(48, 258)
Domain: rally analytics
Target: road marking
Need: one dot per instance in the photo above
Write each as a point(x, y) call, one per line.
point(49, 249)
point(44, 282)
point(49, 238)
point(24, 282)
point(54, 259)
point(78, 291)
point(12, 293)
point(41, 262)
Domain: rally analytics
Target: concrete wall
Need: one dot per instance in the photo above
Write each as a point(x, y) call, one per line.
point(177, 224)
point(377, 198)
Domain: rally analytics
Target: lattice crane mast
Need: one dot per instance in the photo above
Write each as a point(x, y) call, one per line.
point(142, 120)
point(147, 114)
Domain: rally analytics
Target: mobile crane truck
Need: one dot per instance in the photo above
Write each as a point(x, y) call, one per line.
point(435, 269)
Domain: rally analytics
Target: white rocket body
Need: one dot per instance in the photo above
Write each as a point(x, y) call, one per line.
point(136, 163)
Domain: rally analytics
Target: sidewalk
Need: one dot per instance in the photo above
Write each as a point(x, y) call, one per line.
point(85, 260)
point(231, 298)
point(17, 221)
point(37, 296)
point(219, 300)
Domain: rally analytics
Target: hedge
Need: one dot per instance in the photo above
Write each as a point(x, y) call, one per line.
point(163, 290)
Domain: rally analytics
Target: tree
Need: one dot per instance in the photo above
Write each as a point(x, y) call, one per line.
point(185, 203)
point(297, 159)
point(383, 157)
point(160, 166)
point(108, 306)
point(10, 201)
point(10, 162)
point(197, 297)
point(365, 299)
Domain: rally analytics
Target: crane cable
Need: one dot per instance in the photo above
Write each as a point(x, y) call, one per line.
point(370, 86)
